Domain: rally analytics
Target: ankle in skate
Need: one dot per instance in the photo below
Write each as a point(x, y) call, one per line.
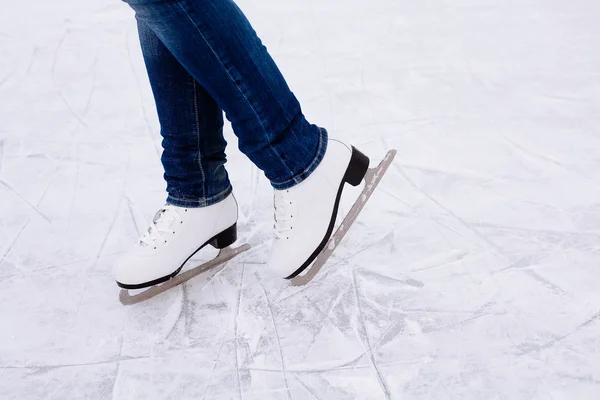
point(305, 214)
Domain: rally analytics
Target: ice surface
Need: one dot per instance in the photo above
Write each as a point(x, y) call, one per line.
point(473, 273)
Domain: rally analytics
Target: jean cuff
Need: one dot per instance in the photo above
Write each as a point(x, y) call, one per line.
point(321, 149)
point(179, 201)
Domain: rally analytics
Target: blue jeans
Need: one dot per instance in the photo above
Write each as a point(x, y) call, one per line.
point(203, 58)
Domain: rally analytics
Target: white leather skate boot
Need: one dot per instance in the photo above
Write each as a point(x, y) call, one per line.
point(305, 214)
point(175, 235)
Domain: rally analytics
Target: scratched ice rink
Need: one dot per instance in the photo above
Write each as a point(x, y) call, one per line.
point(473, 273)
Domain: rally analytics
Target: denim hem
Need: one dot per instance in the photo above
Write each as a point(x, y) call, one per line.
point(199, 203)
point(321, 149)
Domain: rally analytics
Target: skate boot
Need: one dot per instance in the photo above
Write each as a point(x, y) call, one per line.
point(305, 214)
point(174, 236)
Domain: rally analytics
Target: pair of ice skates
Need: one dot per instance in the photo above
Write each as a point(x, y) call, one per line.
point(305, 216)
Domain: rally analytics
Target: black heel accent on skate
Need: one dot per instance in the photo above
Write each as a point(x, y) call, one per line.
point(225, 238)
point(357, 169)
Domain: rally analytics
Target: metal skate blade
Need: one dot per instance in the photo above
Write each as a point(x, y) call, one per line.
point(372, 179)
point(226, 254)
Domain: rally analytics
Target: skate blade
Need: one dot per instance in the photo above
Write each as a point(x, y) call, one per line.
point(224, 255)
point(372, 179)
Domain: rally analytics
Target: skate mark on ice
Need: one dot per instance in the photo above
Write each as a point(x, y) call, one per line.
point(398, 199)
point(415, 213)
point(96, 259)
point(339, 261)
point(382, 278)
point(555, 288)
point(318, 325)
point(212, 372)
point(93, 89)
point(532, 155)
point(474, 315)
point(393, 330)
point(444, 226)
point(390, 333)
point(114, 360)
point(131, 213)
point(118, 371)
point(38, 270)
point(529, 262)
point(309, 390)
point(495, 249)
point(71, 375)
point(68, 263)
point(40, 369)
point(235, 332)
point(141, 96)
point(106, 236)
point(301, 369)
point(548, 232)
point(432, 310)
point(396, 327)
point(32, 58)
point(405, 281)
point(181, 312)
point(585, 379)
point(57, 86)
point(459, 175)
point(527, 348)
point(363, 336)
point(443, 235)
point(75, 187)
point(536, 154)
point(189, 312)
point(2, 153)
point(386, 237)
point(48, 186)
point(185, 305)
point(7, 77)
point(350, 366)
point(24, 200)
point(13, 243)
point(440, 260)
point(363, 89)
point(285, 379)
point(115, 386)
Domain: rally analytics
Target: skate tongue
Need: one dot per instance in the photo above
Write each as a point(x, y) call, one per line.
point(164, 218)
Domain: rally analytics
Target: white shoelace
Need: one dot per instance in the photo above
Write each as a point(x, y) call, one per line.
point(161, 226)
point(283, 214)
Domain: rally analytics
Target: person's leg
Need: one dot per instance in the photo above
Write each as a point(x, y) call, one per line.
point(215, 43)
point(201, 209)
point(191, 126)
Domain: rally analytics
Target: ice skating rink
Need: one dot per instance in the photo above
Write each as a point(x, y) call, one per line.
point(473, 273)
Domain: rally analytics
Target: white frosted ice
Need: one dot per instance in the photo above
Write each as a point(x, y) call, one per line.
point(473, 272)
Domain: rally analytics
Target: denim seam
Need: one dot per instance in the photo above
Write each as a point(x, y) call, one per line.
point(316, 160)
point(198, 136)
point(201, 201)
point(227, 70)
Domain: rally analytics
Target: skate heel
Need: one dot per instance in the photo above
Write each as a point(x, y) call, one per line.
point(357, 169)
point(225, 238)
